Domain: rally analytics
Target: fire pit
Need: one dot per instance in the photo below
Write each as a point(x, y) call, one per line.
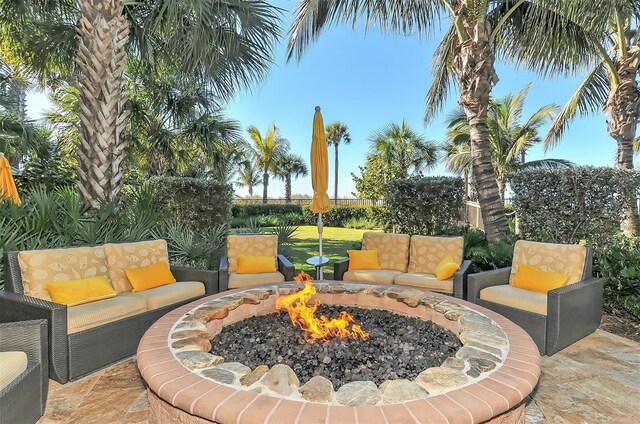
point(349, 353)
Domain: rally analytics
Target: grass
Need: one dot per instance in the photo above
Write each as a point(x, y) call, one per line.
point(336, 242)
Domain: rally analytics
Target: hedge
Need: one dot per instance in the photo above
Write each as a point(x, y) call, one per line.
point(426, 205)
point(572, 204)
point(254, 210)
point(339, 215)
point(199, 204)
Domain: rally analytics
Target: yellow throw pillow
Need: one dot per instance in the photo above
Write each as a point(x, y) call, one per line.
point(537, 280)
point(256, 264)
point(150, 276)
point(77, 292)
point(363, 259)
point(446, 268)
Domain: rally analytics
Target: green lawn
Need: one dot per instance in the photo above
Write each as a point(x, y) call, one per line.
point(336, 242)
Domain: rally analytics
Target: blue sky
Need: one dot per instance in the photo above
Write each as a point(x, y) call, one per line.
point(368, 79)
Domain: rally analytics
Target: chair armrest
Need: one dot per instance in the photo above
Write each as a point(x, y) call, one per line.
point(573, 312)
point(339, 268)
point(477, 282)
point(223, 274)
point(20, 307)
point(286, 268)
point(29, 337)
point(209, 278)
point(460, 280)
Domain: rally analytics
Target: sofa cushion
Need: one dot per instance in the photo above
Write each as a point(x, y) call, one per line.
point(425, 281)
point(566, 259)
point(95, 314)
point(383, 276)
point(248, 280)
point(41, 267)
point(160, 297)
point(393, 249)
point(13, 364)
point(121, 256)
point(428, 251)
point(516, 298)
point(251, 245)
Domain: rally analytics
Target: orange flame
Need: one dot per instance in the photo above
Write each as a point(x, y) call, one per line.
point(304, 316)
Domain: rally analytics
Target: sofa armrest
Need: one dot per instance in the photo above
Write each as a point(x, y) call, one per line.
point(477, 282)
point(286, 268)
point(223, 274)
point(29, 337)
point(460, 280)
point(573, 312)
point(20, 307)
point(339, 268)
point(209, 278)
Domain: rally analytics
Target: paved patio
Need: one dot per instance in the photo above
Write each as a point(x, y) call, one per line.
point(597, 380)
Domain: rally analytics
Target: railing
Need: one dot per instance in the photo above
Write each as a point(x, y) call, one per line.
point(344, 202)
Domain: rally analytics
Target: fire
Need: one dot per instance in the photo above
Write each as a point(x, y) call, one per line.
point(304, 316)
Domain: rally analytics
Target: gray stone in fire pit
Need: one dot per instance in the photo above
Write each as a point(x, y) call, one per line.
point(430, 301)
point(253, 376)
point(191, 326)
point(455, 314)
point(396, 391)
point(379, 291)
point(280, 378)
point(195, 343)
point(444, 307)
point(475, 318)
point(317, 389)
point(222, 376)
point(410, 297)
point(485, 348)
point(468, 353)
point(486, 334)
point(454, 363)
point(185, 334)
point(358, 393)
point(196, 359)
point(478, 365)
point(236, 367)
point(441, 379)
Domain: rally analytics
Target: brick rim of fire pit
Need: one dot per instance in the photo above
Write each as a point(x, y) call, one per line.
point(174, 385)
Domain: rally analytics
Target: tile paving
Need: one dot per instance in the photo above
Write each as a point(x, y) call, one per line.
point(597, 380)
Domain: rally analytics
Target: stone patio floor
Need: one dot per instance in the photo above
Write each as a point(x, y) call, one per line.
point(597, 380)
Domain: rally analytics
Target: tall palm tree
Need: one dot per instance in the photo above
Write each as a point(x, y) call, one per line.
point(337, 132)
point(404, 147)
point(519, 29)
point(612, 80)
point(509, 138)
point(248, 176)
point(224, 45)
point(290, 166)
point(267, 150)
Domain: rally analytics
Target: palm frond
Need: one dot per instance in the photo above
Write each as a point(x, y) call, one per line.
point(548, 164)
point(443, 75)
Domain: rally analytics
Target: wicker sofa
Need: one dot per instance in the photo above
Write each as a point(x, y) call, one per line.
point(87, 337)
point(554, 320)
point(411, 261)
point(24, 371)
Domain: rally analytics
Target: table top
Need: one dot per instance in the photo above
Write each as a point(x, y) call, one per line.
point(318, 261)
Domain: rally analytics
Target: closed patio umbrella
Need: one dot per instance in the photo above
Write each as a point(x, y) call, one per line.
point(8, 188)
point(319, 173)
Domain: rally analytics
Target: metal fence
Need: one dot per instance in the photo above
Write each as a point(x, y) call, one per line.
point(344, 202)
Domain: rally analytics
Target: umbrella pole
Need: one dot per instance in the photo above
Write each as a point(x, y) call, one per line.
point(320, 275)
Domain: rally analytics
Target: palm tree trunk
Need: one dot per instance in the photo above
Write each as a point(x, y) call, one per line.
point(502, 185)
point(466, 186)
point(623, 110)
point(250, 187)
point(476, 77)
point(265, 185)
point(102, 32)
point(335, 177)
point(287, 188)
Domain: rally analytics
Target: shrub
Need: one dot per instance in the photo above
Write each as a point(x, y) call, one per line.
point(250, 210)
point(338, 215)
point(198, 203)
point(426, 205)
point(571, 204)
point(361, 224)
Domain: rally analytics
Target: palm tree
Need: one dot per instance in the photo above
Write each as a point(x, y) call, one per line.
point(337, 132)
point(224, 45)
point(267, 150)
point(288, 167)
point(509, 138)
point(612, 80)
point(402, 146)
point(248, 176)
point(523, 30)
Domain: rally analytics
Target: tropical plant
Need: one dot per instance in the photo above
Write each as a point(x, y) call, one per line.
point(374, 179)
point(337, 132)
point(223, 45)
point(523, 30)
point(290, 166)
point(611, 28)
point(248, 176)
point(267, 151)
point(509, 138)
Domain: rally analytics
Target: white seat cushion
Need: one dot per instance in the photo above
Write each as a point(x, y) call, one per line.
point(425, 281)
point(382, 276)
point(516, 298)
point(248, 280)
point(95, 314)
point(160, 297)
point(12, 364)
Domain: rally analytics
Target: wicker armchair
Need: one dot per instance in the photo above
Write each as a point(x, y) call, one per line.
point(555, 320)
point(24, 399)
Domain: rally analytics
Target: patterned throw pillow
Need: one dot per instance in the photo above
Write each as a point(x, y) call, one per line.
point(428, 251)
point(393, 249)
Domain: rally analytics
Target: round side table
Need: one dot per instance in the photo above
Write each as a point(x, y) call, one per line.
point(318, 262)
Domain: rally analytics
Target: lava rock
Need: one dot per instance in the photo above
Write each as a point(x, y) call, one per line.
point(318, 389)
point(253, 376)
point(219, 375)
point(358, 393)
point(396, 391)
point(436, 380)
point(279, 379)
point(197, 359)
point(236, 367)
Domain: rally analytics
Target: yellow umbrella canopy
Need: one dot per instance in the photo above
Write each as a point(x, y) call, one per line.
point(319, 165)
point(8, 188)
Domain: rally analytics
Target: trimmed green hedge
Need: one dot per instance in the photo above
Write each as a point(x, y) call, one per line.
point(572, 204)
point(254, 210)
point(340, 215)
point(426, 205)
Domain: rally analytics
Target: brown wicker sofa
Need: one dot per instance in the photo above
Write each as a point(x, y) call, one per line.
point(87, 337)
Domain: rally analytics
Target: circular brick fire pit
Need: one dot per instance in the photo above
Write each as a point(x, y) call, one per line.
point(497, 366)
